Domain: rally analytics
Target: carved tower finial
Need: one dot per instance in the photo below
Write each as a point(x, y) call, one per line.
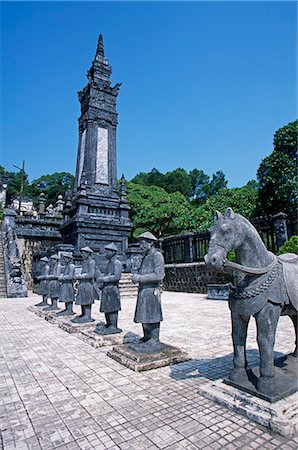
point(100, 48)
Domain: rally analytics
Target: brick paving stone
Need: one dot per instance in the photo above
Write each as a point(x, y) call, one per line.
point(58, 392)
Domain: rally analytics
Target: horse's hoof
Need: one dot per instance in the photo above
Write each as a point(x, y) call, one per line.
point(238, 374)
point(266, 385)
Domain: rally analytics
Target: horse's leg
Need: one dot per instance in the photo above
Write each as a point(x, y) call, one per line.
point(294, 319)
point(267, 320)
point(239, 333)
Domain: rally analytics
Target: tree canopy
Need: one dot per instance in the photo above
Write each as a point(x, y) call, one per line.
point(52, 186)
point(154, 209)
point(195, 184)
point(277, 173)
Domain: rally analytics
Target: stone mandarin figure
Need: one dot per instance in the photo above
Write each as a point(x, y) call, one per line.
point(85, 295)
point(54, 285)
point(110, 298)
point(148, 309)
point(66, 287)
point(43, 282)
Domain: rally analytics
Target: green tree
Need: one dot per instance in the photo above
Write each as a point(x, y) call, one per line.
point(178, 180)
point(198, 179)
point(243, 201)
point(277, 173)
point(206, 188)
point(13, 181)
point(153, 178)
point(52, 186)
point(153, 209)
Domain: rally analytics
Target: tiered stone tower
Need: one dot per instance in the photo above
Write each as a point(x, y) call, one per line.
point(97, 213)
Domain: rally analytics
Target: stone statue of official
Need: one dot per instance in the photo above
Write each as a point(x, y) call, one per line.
point(110, 297)
point(54, 285)
point(43, 282)
point(66, 284)
point(148, 309)
point(85, 295)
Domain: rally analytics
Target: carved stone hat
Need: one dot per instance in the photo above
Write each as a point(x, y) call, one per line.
point(148, 236)
point(111, 246)
point(86, 249)
point(55, 257)
point(67, 255)
point(45, 259)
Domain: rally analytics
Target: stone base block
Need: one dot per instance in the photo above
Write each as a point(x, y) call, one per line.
point(286, 380)
point(139, 362)
point(72, 327)
point(280, 417)
point(31, 308)
point(52, 317)
point(97, 340)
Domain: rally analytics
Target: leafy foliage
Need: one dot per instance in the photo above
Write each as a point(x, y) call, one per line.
point(242, 200)
point(194, 184)
point(52, 186)
point(290, 246)
point(13, 181)
point(152, 208)
point(277, 173)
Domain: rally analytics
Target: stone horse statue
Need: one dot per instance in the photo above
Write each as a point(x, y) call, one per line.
point(264, 286)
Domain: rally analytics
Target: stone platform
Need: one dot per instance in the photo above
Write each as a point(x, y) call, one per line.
point(98, 340)
point(286, 379)
point(281, 416)
point(72, 327)
point(139, 362)
point(52, 317)
point(40, 311)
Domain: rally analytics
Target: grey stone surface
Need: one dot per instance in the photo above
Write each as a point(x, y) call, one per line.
point(148, 308)
point(264, 287)
point(16, 285)
point(280, 417)
point(72, 327)
point(43, 287)
point(85, 295)
point(133, 356)
point(97, 340)
point(218, 291)
point(110, 298)
point(59, 392)
point(66, 280)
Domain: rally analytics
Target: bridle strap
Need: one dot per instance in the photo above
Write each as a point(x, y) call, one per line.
point(251, 270)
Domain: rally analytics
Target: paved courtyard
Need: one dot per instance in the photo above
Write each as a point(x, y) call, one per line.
point(56, 391)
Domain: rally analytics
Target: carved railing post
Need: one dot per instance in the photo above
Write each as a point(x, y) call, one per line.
point(188, 248)
point(280, 228)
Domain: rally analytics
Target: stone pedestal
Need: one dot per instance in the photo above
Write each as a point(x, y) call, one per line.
point(139, 362)
point(286, 380)
point(97, 340)
point(280, 417)
point(52, 317)
point(72, 327)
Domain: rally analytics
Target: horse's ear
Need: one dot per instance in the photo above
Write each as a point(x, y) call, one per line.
point(217, 215)
point(229, 214)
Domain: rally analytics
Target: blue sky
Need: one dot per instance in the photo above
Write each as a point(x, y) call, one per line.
point(205, 84)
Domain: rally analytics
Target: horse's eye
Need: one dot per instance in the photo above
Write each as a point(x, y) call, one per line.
point(225, 228)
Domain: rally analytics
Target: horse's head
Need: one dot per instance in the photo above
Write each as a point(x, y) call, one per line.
point(225, 237)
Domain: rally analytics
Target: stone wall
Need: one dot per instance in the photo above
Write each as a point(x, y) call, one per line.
point(190, 277)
